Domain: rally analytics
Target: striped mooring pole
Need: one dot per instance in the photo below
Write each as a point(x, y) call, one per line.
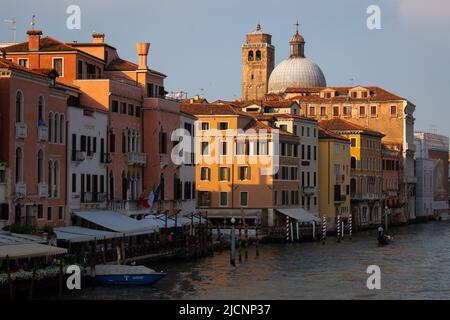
point(338, 230)
point(350, 226)
point(287, 229)
point(324, 229)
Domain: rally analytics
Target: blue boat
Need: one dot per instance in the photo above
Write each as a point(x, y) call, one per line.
point(123, 274)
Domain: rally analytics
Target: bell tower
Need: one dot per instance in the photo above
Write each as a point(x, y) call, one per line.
point(258, 62)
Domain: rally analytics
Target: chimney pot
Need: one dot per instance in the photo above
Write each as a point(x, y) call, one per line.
point(98, 38)
point(34, 39)
point(142, 51)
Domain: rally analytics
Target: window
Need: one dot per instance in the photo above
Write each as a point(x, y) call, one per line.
point(49, 214)
point(40, 166)
point(123, 108)
point(283, 127)
point(308, 153)
point(263, 148)
point(204, 148)
point(224, 199)
point(61, 213)
point(312, 111)
point(347, 111)
point(115, 106)
point(74, 182)
point(54, 137)
point(335, 111)
point(353, 163)
point(23, 62)
point(244, 173)
point(80, 70)
point(354, 95)
point(258, 55)
point(40, 212)
point(315, 153)
point(112, 142)
point(19, 165)
point(204, 199)
point(19, 106)
point(244, 198)
point(242, 148)
point(222, 126)
point(58, 66)
point(323, 111)
point(373, 111)
point(223, 148)
point(362, 111)
point(250, 56)
point(187, 190)
point(284, 197)
point(275, 197)
point(353, 142)
point(224, 174)
point(205, 174)
point(204, 125)
point(41, 110)
point(138, 112)
point(162, 142)
point(130, 110)
point(61, 129)
point(393, 110)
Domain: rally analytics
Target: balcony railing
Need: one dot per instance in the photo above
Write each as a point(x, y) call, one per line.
point(309, 190)
point(93, 197)
point(43, 133)
point(163, 159)
point(78, 155)
point(21, 190)
point(42, 190)
point(21, 130)
point(366, 196)
point(340, 198)
point(105, 158)
point(137, 158)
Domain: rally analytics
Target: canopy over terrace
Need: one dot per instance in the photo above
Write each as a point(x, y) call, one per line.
point(76, 234)
point(8, 238)
point(299, 214)
point(28, 250)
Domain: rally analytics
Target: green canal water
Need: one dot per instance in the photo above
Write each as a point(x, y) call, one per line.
point(415, 266)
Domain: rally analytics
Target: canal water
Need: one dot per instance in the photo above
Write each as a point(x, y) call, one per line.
point(415, 266)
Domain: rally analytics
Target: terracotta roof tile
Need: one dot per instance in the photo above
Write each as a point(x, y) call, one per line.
point(47, 44)
point(340, 125)
point(327, 134)
point(378, 94)
point(207, 109)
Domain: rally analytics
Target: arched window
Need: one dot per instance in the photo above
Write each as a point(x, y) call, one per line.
point(41, 104)
point(258, 55)
point(124, 186)
point(50, 126)
point(19, 106)
point(129, 141)
point(55, 179)
point(19, 165)
point(250, 56)
point(56, 128)
point(111, 185)
point(353, 163)
point(50, 178)
point(40, 166)
point(61, 129)
point(124, 142)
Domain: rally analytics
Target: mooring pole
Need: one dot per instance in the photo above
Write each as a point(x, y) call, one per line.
point(324, 229)
point(233, 243)
point(350, 226)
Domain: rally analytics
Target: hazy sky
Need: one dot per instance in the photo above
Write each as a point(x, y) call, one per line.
point(197, 43)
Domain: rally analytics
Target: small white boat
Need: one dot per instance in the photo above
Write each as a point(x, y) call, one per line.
point(124, 274)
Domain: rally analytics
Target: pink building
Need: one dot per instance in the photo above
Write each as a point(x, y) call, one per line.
point(392, 175)
point(33, 115)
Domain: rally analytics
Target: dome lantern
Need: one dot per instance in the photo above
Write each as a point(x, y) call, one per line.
point(297, 44)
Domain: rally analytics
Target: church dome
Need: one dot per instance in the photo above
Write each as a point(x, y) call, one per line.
point(297, 70)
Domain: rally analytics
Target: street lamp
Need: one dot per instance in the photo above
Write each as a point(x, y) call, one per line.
point(386, 212)
point(233, 243)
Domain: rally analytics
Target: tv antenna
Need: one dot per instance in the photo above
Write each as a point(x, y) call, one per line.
point(33, 21)
point(12, 27)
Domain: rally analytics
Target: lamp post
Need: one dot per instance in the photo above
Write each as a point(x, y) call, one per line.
point(386, 213)
point(233, 243)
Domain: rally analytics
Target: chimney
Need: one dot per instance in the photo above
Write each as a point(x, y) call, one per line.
point(34, 39)
point(142, 51)
point(98, 38)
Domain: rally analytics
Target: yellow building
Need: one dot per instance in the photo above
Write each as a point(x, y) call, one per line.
point(366, 183)
point(334, 175)
point(250, 173)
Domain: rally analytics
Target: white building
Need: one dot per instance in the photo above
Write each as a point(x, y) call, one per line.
point(87, 158)
point(434, 148)
point(187, 170)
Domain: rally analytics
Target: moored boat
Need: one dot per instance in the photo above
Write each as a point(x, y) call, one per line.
point(123, 274)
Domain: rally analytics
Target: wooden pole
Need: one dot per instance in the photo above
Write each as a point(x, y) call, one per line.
point(338, 228)
point(33, 280)
point(246, 239)
point(240, 240)
point(350, 226)
point(10, 282)
point(324, 229)
point(257, 240)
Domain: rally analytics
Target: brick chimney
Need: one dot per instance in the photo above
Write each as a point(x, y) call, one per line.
point(142, 51)
point(34, 39)
point(98, 38)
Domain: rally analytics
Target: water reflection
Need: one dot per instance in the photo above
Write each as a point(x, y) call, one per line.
point(416, 265)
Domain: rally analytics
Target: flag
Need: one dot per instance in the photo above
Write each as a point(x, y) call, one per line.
point(154, 196)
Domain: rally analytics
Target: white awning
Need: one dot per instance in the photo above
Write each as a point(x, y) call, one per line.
point(8, 238)
point(299, 214)
point(29, 250)
point(117, 222)
point(76, 234)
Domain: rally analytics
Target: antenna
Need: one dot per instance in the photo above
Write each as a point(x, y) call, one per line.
point(12, 27)
point(33, 21)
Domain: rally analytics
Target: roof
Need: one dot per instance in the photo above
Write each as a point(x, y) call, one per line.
point(78, 234)
point(119, 64)
point(29, 250)
point(327, 134)
point(8, 238)
point(206, 109)
point(342, 125)
point(268, 116)
point(47, 44)
point(258, 125)
point(377, 94)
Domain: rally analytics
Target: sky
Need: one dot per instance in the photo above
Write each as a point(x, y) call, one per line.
point(197, 43)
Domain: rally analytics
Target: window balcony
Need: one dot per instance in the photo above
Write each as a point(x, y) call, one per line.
point(21, 190)
point(78, 156)
point(366, 196)
point(340, 178)
point(42, 189)
point(137, 158)
point(43, 133)
point(21, 130)
point(163, 160)
point(339, 198)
